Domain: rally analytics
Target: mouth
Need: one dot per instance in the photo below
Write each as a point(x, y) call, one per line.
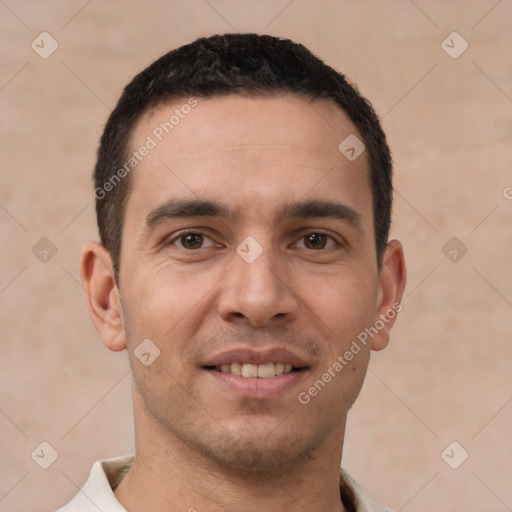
point(256, 371)
point(262, 374)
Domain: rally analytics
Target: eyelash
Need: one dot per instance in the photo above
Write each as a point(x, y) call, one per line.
point(182, 234)
point(185, 233)
point(323, 233)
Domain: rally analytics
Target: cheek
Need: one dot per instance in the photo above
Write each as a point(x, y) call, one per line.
point(349, 309)
point(169, 307)
point(160, 300)
point(159, 308)
point(345, 304)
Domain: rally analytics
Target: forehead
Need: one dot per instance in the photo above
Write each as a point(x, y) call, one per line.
point(246, 149)
point(241, 120)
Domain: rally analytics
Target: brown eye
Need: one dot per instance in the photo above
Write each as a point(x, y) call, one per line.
point(192, 241)
point(189, 241)
point(315, 240)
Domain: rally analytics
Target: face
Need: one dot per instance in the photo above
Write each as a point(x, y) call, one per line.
point(248, 248)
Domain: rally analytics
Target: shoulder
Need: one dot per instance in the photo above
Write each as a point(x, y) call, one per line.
point(97, 494)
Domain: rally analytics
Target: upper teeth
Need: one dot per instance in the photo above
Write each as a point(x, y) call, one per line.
point(262, 371)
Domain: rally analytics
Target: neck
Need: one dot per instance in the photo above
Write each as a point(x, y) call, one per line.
point(180, 479)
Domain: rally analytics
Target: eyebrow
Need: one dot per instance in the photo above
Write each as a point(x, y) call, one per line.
point(189, 208)
point(185, 208)
point(321, 208)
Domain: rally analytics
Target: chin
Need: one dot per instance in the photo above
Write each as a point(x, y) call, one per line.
point(262, 451)
point(256, 457)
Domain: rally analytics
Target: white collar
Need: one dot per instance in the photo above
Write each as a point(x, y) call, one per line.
point(97, 493)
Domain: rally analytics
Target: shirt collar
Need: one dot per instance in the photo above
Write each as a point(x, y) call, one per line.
point(97, 492)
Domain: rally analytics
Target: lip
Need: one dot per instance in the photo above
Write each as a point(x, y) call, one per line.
point(250, 356)
point(256, 388)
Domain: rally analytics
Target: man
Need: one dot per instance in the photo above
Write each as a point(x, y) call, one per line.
point(243, 195)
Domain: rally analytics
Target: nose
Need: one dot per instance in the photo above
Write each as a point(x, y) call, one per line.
point(257, 292)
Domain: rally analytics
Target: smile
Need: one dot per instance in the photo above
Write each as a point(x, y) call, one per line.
point(256, 371)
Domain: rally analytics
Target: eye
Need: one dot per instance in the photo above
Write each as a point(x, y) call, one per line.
point(191, 240)
point(318, 240)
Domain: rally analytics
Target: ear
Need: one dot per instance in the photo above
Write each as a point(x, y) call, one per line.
point(391, 287)
point(102, 295)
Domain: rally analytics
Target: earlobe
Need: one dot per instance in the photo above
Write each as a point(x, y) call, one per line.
point(391, 287)
point(102, 295)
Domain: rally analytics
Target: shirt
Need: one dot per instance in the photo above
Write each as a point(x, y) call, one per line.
point(97, 493)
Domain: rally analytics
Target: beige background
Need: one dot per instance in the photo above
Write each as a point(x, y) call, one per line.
point(446, 375)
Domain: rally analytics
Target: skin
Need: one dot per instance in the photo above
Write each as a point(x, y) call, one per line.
point(198, 444)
